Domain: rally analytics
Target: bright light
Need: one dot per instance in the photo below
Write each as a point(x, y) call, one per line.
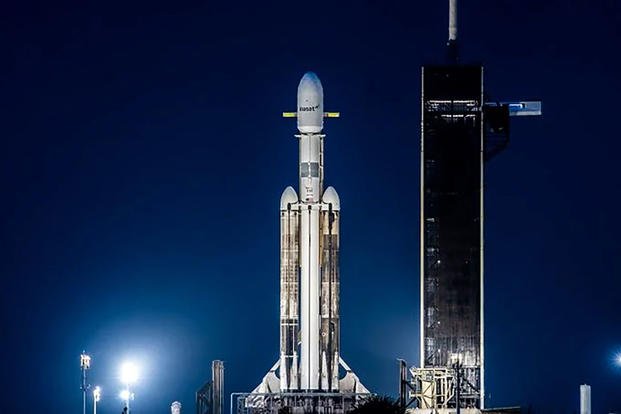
point(97, 393)
point(85, 361)
point(618, 359)
point(129, 373)
point(124, 395)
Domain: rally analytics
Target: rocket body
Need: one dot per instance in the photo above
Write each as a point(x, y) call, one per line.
point(309, 260)
point(309, 359)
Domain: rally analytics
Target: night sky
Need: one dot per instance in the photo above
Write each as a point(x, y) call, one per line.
point(143, 157)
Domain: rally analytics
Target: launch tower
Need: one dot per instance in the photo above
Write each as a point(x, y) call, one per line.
point(460, 131)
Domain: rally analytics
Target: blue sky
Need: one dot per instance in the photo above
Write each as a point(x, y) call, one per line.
point(144, 156)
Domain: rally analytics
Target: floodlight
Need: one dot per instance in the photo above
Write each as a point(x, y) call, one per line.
point(97, 393)
point(129, 373)
point(85, 361)
point(124, 395)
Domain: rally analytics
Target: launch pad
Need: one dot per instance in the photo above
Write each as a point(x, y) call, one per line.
point(460, 131)
point(297, 402)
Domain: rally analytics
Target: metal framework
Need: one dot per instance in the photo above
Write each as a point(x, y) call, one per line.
point(204, 399)
point(452, 158)
point(459, 133)
point(296, 402)
point(210, 397)
point(437, 388)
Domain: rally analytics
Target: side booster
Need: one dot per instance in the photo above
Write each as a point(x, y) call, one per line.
point(309, 275)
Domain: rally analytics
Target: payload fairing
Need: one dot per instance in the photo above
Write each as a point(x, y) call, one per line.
point(309, 272)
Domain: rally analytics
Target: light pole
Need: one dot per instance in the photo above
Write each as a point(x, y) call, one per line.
point(126, 396)
point(129, 375)
point(96, 398)
point(85, 365)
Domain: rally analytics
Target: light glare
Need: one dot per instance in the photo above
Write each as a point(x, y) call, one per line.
point(85, 361)
point(129, 373)
point(124, 395)
point(97, 393)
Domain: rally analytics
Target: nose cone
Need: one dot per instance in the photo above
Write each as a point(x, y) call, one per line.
point(310, 104)
point(288, 197)
point(330, 196)
point(310, 82)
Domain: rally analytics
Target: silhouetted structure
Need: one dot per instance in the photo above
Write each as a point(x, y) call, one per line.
point(452, 223)
point(210, 397)
point(460, 131)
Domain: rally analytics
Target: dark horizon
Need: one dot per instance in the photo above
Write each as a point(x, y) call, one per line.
point(145, 154)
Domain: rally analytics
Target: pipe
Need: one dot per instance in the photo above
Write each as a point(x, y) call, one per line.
point(452, 21)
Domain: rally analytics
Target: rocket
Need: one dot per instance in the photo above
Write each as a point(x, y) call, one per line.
point(309, 278)
point(309, 265)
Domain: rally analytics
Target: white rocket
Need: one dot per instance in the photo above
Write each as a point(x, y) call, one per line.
point(310, 243)
point(309, 272)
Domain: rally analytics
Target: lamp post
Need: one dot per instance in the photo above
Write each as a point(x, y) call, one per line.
point(125, 396)
point(129, 375)
point(85, 365)
point(96, 398)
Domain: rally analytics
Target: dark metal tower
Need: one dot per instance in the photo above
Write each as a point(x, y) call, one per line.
point(452, 156)
point(459, 132)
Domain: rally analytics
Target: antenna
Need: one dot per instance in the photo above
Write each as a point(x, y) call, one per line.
point(452, 31)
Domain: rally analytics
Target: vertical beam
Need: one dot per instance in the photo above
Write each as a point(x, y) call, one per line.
point(422, 221)
point(403, 383)
point(585, 399)
point(452, 20)
point(481, 250)
point(217, 378)
point(452, 47)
